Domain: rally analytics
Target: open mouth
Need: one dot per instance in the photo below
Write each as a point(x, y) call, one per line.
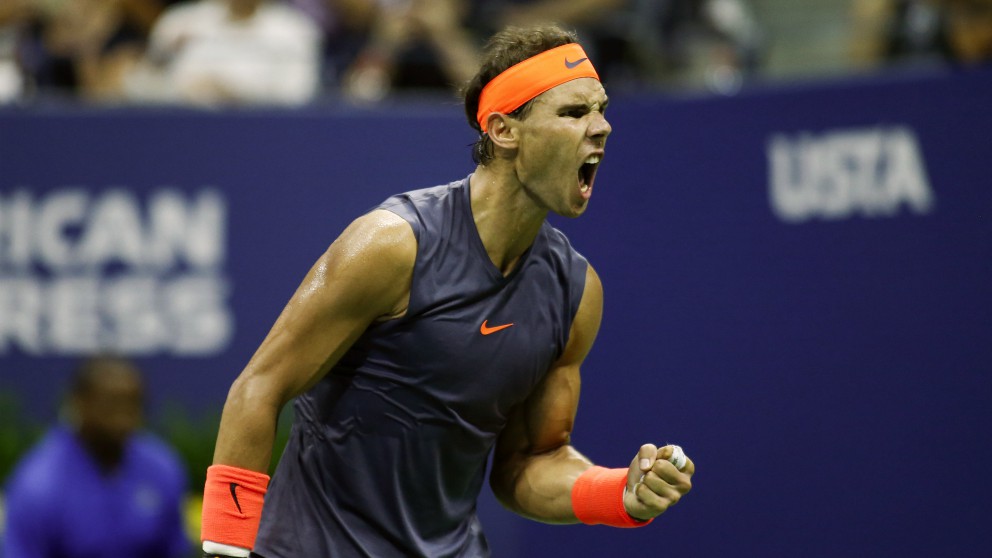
point(587, 174)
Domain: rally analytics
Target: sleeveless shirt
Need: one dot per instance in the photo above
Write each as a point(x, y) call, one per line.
point(388, 452)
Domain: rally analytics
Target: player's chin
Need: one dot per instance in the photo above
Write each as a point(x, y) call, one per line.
point(580, 205)
point(574, 210)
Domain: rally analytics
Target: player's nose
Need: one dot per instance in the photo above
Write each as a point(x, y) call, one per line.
point(600, 127)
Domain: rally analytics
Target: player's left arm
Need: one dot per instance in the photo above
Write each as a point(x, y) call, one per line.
point(535, 467)
point(534, 463)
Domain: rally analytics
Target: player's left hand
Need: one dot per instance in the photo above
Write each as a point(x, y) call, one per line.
point(654, 484)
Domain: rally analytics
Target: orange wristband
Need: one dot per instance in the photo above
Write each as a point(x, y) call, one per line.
point(232, 505)
point(597, 498)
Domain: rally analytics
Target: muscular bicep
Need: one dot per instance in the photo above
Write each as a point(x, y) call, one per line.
point(534, 463)
point(363, 276)
point(544, 422)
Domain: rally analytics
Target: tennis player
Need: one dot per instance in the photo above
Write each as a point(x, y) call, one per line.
point(448, 323)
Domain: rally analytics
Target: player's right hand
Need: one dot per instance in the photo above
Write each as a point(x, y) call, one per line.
point(654, 484)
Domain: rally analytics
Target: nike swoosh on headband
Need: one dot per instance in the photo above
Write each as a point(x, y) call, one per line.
point(571, 65)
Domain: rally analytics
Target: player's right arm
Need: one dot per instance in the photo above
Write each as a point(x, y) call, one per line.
point(363, 276)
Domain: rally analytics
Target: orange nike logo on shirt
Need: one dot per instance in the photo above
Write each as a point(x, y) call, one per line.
point(486, 330)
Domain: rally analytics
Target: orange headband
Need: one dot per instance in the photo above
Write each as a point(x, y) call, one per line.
point(528, 79)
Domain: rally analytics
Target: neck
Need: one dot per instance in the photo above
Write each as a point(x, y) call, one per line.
point(506, 217)
point(107, 455)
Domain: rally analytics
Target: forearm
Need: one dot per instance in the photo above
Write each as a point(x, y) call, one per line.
point(539, 486)
point(236, 483)
point(247, 427)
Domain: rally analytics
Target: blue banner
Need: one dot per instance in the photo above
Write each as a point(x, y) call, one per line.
point(797, 289)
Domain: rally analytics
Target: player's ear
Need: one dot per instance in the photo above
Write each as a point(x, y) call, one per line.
point(502, 131)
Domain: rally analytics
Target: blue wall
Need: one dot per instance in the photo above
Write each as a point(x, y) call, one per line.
point(797, 289)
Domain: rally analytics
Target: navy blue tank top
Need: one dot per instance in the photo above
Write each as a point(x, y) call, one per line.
point(388, 452)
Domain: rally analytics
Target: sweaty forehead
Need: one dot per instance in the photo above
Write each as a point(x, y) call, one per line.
point(582, 91)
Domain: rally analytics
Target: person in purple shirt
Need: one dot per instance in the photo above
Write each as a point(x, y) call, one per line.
point(97, 487)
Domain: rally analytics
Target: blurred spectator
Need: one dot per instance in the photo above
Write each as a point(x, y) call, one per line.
point(408, 45)
point(720, 41)
point(229, 52)
point(345, 26)
point(13, 15)
point(969, 26)
point(95, 486)
point(921, 32)
point(73, 47)
point(648, 43)
point(899, 31)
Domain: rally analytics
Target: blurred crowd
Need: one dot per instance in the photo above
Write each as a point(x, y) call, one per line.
point(291, 52)
point(903, 32)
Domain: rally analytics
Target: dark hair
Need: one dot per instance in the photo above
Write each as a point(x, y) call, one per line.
point(504, 49)
point(90, 371)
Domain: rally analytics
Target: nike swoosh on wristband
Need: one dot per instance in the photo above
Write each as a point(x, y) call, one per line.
point(486, 330)
point(234, 495)
point(572, 65)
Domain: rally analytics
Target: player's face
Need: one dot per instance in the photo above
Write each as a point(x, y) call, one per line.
point(562, 141)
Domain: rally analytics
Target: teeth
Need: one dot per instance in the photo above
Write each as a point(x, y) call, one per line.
point(584, 188)
point(593, 159)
